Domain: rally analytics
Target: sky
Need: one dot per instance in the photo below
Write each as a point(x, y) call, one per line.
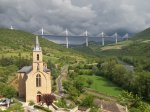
point(76, 15)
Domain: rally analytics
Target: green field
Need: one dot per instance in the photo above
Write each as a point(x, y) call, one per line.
point(103, 86)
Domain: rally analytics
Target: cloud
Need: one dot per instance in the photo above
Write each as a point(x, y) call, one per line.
point(76, 15)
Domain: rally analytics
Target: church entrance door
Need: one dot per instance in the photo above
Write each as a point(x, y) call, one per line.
point(38, 98)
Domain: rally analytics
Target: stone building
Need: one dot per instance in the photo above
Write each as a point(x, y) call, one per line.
point(34, 80)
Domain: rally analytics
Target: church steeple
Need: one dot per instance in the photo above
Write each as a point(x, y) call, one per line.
point(37, 45)
point(37, 56)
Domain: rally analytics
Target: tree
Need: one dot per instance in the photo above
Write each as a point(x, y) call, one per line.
point(118, 74)
point(79, 85)
point(7, 91)
point(129, 99)
point(71, 90)
point(142, 84)
point(48, 99)
point(89, 82)
point(107, 68)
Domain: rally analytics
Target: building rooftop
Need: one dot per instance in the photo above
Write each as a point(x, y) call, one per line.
point(25, 69)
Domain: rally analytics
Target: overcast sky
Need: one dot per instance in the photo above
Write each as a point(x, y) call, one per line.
point(76, 15)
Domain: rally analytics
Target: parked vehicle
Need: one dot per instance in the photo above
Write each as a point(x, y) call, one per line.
point(3, 102)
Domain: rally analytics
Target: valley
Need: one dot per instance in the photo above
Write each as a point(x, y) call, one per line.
point(95, 68)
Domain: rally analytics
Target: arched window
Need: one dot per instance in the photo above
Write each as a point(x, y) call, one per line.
point(38, 80)
point(37, 56)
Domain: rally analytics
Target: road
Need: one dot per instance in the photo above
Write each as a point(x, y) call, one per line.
point(63, 74)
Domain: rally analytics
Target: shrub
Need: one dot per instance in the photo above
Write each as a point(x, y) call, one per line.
point(31, 103)
point(42, 108)
point(87, 101)
point(7, 91)
point(95, 109)
point(48, 99)
point(61, 103)
point(16, 106)
point(89, 82)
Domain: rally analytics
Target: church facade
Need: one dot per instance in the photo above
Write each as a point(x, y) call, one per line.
point(34, 80)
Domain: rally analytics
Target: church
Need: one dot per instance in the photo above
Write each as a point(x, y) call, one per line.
point(35, 80)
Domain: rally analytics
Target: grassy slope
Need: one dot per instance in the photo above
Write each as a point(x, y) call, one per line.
point(14, 41)
point(144, 35)
point(102, 85)
point(138, 45)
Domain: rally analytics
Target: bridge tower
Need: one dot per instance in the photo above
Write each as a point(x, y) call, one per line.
point(67, 43)
point(11, 27)
point(42, 31)
point(103, 41)
point(86, 37)
point(116, 38)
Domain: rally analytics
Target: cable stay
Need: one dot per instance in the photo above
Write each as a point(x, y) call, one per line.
point(126, 36)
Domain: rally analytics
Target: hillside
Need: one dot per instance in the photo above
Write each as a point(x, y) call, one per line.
point(138, 45)
point(144, 35)
point(82, 64)
point(16, 51)
point(13, 42)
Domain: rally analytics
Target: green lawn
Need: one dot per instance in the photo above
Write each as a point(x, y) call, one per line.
point(104, 86)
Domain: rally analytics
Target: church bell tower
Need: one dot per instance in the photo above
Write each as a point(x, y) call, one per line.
point(37, 57)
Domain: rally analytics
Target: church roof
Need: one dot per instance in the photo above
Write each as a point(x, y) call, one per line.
point(46, 70)
point(25, 69)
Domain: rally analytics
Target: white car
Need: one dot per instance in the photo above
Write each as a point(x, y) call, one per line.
point(3, 102)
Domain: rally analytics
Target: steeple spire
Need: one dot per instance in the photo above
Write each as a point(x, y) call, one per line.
point(37, 42)
point(37, 45)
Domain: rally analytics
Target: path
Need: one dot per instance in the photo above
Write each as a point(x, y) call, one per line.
point(100, 95)
point(61, 77)
point(110, 102)
point(28, 108)
point(128, 67)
